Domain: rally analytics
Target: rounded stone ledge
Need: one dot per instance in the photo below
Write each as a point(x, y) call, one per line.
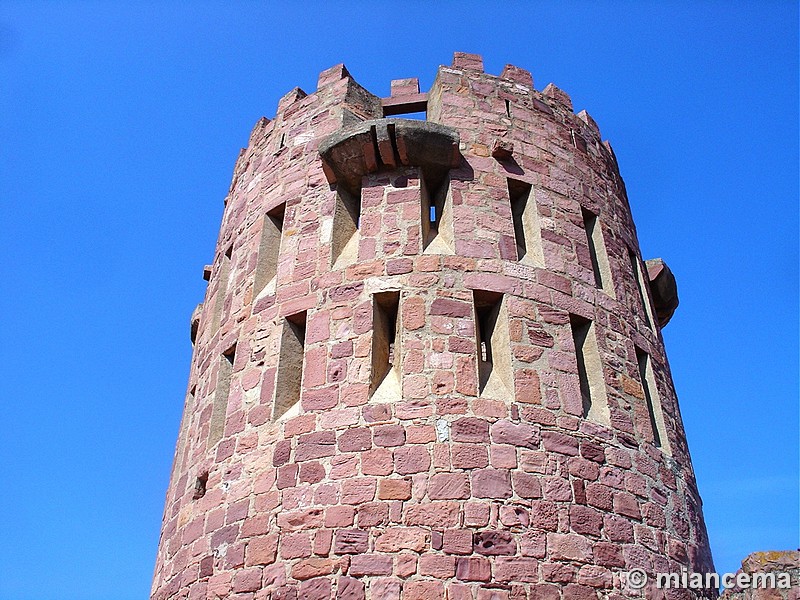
point(663, 288)
point(381, 144)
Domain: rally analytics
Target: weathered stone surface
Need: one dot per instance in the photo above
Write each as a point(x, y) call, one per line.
point(394, 390)
point(663, 289)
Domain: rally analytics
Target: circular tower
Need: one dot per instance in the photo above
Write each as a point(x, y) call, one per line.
point(429, 362)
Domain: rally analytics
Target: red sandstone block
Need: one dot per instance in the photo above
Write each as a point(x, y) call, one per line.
point(320, 399)
point(281, 453)
point(457, 541)
point(370, 564)
point(373, 514)
point(414, 313)
point(583, 469)
point(315, 445)
point(516, 569)
point(394, 489)
point(469, 456)
point(596, 577)
point(355, 440)
point(569, 547)
point(323, 540)
point(526, 485)
point(561, 443)
point(449, 307)
point(262, 550)
point(405, 565)
point(476, 514)
point(506, 432)
point(246, 580)
point(626, 504)
point(300, 425)
point(377, 462)
point(348, 588)
point(585, 520)
point(436, 515)
point(423, 590)
point(420, 434)
point(351, 541)
point(395, 539)
point(544, 515)
point(344, 466)
point(389, 435)
point(311, 472)
point(574, 591)
point(556, 488)
point(473, 569)
point(514, 516)
point(470, 429)
point(618, 529)
point(385, 588)
point(441, 567)
point(558, 573)
point(358, 491)
point(307, 518)
point(318, 588)
point(412, 459)
point(295, 545)
point(312, 567)
point(404, 87)
point(491, 483)
point(447, 486)
point(339, 516)
point(464, 60)
point(323, 494)
point(493, 543)
point(599, 496)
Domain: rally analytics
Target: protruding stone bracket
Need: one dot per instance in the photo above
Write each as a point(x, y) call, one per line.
point(207, 272)
point(502, 149)
point(385, 144)
point(663, 289)
point(402, 105)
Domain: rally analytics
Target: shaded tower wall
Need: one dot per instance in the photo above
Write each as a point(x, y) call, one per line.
point(429, 361)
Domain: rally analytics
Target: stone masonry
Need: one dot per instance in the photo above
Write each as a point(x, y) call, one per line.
point(429, 362)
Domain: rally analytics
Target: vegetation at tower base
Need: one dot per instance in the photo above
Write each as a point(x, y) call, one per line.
point(429, 361)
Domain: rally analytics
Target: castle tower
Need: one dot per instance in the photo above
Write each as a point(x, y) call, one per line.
point(429, 361)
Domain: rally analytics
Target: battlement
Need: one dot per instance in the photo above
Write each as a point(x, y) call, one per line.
point(429, 361)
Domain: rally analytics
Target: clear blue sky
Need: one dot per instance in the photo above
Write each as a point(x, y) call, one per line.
point(119, 128)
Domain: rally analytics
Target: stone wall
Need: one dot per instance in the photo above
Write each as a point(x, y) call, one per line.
point(387, 402)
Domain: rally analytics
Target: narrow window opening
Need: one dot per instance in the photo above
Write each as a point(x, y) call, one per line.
point(437, 215)
point(182, 433)
point(269, 248)
point(597, 252)
point(282, 143)
point(222, 288)
point(643, 298)
point(508, 108)
point(525, 215)
point(495, 373)
point(590, 370)
point(386, 347)
point(220, 407)
point(200, 486)
point(289, 378)
point(652, 400)
point(345, 235)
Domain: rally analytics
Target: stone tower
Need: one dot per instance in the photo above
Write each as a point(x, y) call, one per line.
point(429, 361)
